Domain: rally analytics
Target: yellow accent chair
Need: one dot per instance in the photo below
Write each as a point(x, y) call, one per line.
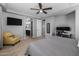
point(10, 39)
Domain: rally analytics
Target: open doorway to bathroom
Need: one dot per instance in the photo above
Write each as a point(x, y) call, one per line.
point(28, 27)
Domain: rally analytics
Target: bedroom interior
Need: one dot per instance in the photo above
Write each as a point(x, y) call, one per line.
point(39, 29)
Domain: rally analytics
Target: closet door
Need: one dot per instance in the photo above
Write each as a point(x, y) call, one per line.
point(1, 39)
point(39, 28)
point(34, 28)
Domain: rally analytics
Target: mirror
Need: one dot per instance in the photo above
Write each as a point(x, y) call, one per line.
point(48, 27)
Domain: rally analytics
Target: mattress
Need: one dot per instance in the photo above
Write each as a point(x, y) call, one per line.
point(53, 46)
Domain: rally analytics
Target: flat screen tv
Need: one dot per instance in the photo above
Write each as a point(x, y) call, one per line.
point(63, 28)
point(14, 21)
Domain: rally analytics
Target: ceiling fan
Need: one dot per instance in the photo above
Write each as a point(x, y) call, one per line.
point(41, 10)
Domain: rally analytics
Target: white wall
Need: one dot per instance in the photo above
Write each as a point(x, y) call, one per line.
point(16, 30)
point(54, 22)
point(77, 23)
point(61, 20)
point(1, 35)
point(70, 20)
point(66, 20)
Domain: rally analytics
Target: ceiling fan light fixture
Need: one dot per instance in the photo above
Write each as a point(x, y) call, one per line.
point(41, 11)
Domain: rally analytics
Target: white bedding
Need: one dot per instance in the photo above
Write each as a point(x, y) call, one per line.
point(53, 46)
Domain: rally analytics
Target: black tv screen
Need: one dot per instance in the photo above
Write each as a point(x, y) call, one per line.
point(14, 21)
point(63, 28)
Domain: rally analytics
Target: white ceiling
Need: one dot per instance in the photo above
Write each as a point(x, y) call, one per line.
point(24, 8)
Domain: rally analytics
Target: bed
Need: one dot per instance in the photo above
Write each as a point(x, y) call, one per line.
point(53, 46)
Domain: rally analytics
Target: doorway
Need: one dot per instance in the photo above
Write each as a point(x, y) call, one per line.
point(27, 32)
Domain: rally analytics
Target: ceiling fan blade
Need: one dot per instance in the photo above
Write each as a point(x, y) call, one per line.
point(40, 5)
point(38, 12)
point(47, 8)
point(34, 9)
point(44, 12)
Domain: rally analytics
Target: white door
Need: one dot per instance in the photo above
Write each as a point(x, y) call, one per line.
point(39, 28)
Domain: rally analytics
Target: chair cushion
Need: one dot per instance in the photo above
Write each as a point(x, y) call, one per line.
point(9, 38)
